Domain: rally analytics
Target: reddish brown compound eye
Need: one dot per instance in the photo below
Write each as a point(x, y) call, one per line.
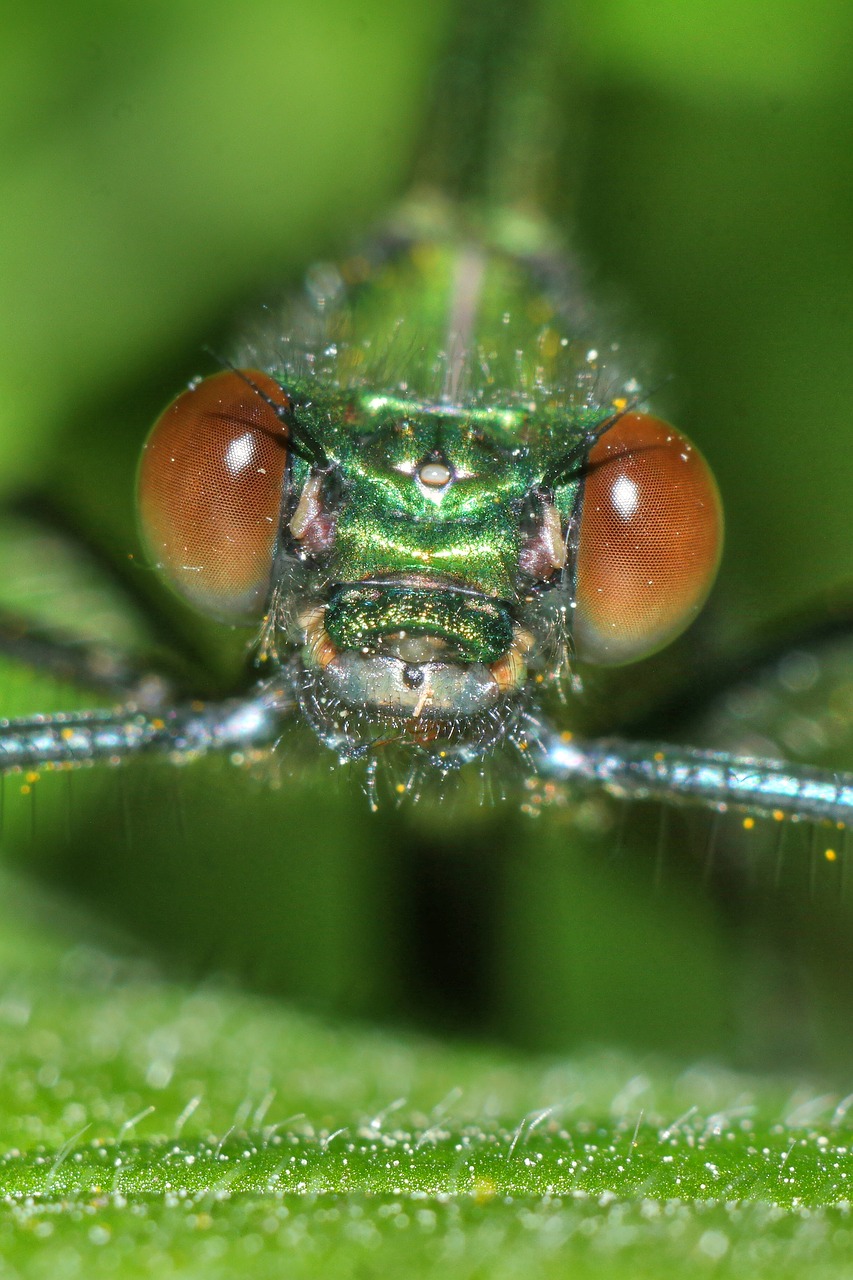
point(210, 492)
point(650, 540)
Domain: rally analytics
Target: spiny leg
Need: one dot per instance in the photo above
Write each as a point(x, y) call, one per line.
point(627, 769)
point(638, 770)
point(182, 732)
point(144, 714)
point(713, 779)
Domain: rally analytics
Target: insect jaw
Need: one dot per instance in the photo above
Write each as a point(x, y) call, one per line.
point(412, 677)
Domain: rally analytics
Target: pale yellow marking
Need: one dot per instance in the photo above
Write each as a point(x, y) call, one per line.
point(307, 506)
point(465, 298)
point(552, 531)
point(508, 671)
point(323, 651)
point(424, 698)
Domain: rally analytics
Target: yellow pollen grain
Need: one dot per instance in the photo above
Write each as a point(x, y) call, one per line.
point(620, 403)
point(67, 734)
point(400, 788)
point(748, 824)
point(158, 724)
point(25, 790)
point(31, 777)
point(659, 757)
point(830, 855)
point(778, 815)
point(839, 826)
point(566, 736)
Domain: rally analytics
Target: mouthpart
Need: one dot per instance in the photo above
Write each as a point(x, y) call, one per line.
point(410, 675)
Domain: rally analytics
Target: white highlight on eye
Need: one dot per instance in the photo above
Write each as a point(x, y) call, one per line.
point(626, 497)
point(239, 453)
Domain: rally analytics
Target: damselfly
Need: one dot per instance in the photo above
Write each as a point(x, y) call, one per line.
point(436, 487)
point(152, 167)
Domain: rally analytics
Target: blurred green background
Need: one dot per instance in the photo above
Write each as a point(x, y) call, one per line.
point(167, 168)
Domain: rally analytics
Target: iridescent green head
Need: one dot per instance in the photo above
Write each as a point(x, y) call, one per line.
point(435, 487)
point(428, 521)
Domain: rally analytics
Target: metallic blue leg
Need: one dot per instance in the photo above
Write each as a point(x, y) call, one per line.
point(638, 770)
point(713, 779)
point(183, 732)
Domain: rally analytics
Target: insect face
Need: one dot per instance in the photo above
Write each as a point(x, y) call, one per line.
point(415, 614)
point(434, 490)
point(414, 557)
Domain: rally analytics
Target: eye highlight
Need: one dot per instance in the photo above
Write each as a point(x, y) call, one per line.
point(210, 489)
point(651, 535)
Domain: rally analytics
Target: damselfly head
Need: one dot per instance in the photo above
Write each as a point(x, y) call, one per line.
point(428, 554)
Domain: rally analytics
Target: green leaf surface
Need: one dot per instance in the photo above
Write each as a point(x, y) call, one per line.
point(152, 1125)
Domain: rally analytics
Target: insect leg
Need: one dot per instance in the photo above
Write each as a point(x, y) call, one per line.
point(714, 779)
point(182, 732)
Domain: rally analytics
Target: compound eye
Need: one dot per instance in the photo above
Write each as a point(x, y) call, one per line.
point(210, 488)
point(651, 534)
